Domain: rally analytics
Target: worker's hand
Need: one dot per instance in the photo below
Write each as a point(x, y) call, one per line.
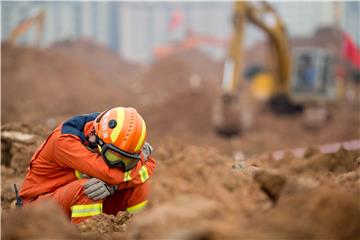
point(147, 150)
point(97, 189)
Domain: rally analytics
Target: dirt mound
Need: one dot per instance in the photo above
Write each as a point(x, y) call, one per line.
point(270, 132)
point(198, 192)
point(341, 161)
point(202, 193)
point(176, 69)
point(186, 72)
point(37, 80)
point(181, 90)
point(196, 185)
point(106, 223)
point(18, 143)
point(321, 213)
point(200, 168)
point(175, 95)
point(105, 63)
point(45, 221)
point(292, 175)
point(185, 115)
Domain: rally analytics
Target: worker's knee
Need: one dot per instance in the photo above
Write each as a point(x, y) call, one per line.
point(79, 184)
point(78, 187)
point(73, 191)
point(83, 207)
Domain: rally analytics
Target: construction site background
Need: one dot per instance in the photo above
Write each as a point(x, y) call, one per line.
point(206, 186)
point(134, 29)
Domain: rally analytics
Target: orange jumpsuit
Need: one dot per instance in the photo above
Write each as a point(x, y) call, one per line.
point(59, 167)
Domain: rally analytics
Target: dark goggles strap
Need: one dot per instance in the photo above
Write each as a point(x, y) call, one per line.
point(99, 141)
point(115, 149)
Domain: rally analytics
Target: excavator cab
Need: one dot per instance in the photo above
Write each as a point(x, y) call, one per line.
point(313, 83)
point(313, 75)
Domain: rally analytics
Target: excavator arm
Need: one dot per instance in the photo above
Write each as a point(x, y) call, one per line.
point(25, 25)
point(265, 18)
point(227, 117)
point(279, 43)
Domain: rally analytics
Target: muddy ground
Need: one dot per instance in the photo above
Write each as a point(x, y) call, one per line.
point(205, 186)
point(201, 193)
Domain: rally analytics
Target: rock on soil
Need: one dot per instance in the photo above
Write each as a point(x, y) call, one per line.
point(18, 143)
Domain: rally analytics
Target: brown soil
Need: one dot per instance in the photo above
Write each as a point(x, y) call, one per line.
point(200, 192)
point(178, 95)
point(43, 87)
point(209, 199)
point(201, 189)
point(101, 60)
point(18, 143)
point(175, 95)
point(106, 223)
point(321, 213)
point(44, 220)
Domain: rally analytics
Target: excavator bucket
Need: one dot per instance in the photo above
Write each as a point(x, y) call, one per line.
point(227, 115)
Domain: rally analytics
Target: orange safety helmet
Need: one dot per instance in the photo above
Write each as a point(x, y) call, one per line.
point(121, 134)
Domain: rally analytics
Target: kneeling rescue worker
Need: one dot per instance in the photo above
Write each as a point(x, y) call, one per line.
point(92, 164)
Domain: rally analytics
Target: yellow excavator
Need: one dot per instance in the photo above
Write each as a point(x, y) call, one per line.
point(296, 78)
point(26, 24)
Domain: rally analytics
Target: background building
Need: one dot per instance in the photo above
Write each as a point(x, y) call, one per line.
point(133, 29)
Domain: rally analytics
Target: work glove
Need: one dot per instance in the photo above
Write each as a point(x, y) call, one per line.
point(97, 189)
point(147, 150)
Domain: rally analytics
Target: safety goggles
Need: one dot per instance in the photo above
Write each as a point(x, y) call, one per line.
point(116, 157)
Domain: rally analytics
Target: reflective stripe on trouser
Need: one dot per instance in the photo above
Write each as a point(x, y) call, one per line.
point(137, 207)
point(86, 210)
point(72, 195)
point(128, 198)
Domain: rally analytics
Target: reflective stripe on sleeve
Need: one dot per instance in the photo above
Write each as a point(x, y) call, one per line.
point(137, 207)
point(127, 176)
point(86, 210)
point(78, 174)
point(144, 175)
